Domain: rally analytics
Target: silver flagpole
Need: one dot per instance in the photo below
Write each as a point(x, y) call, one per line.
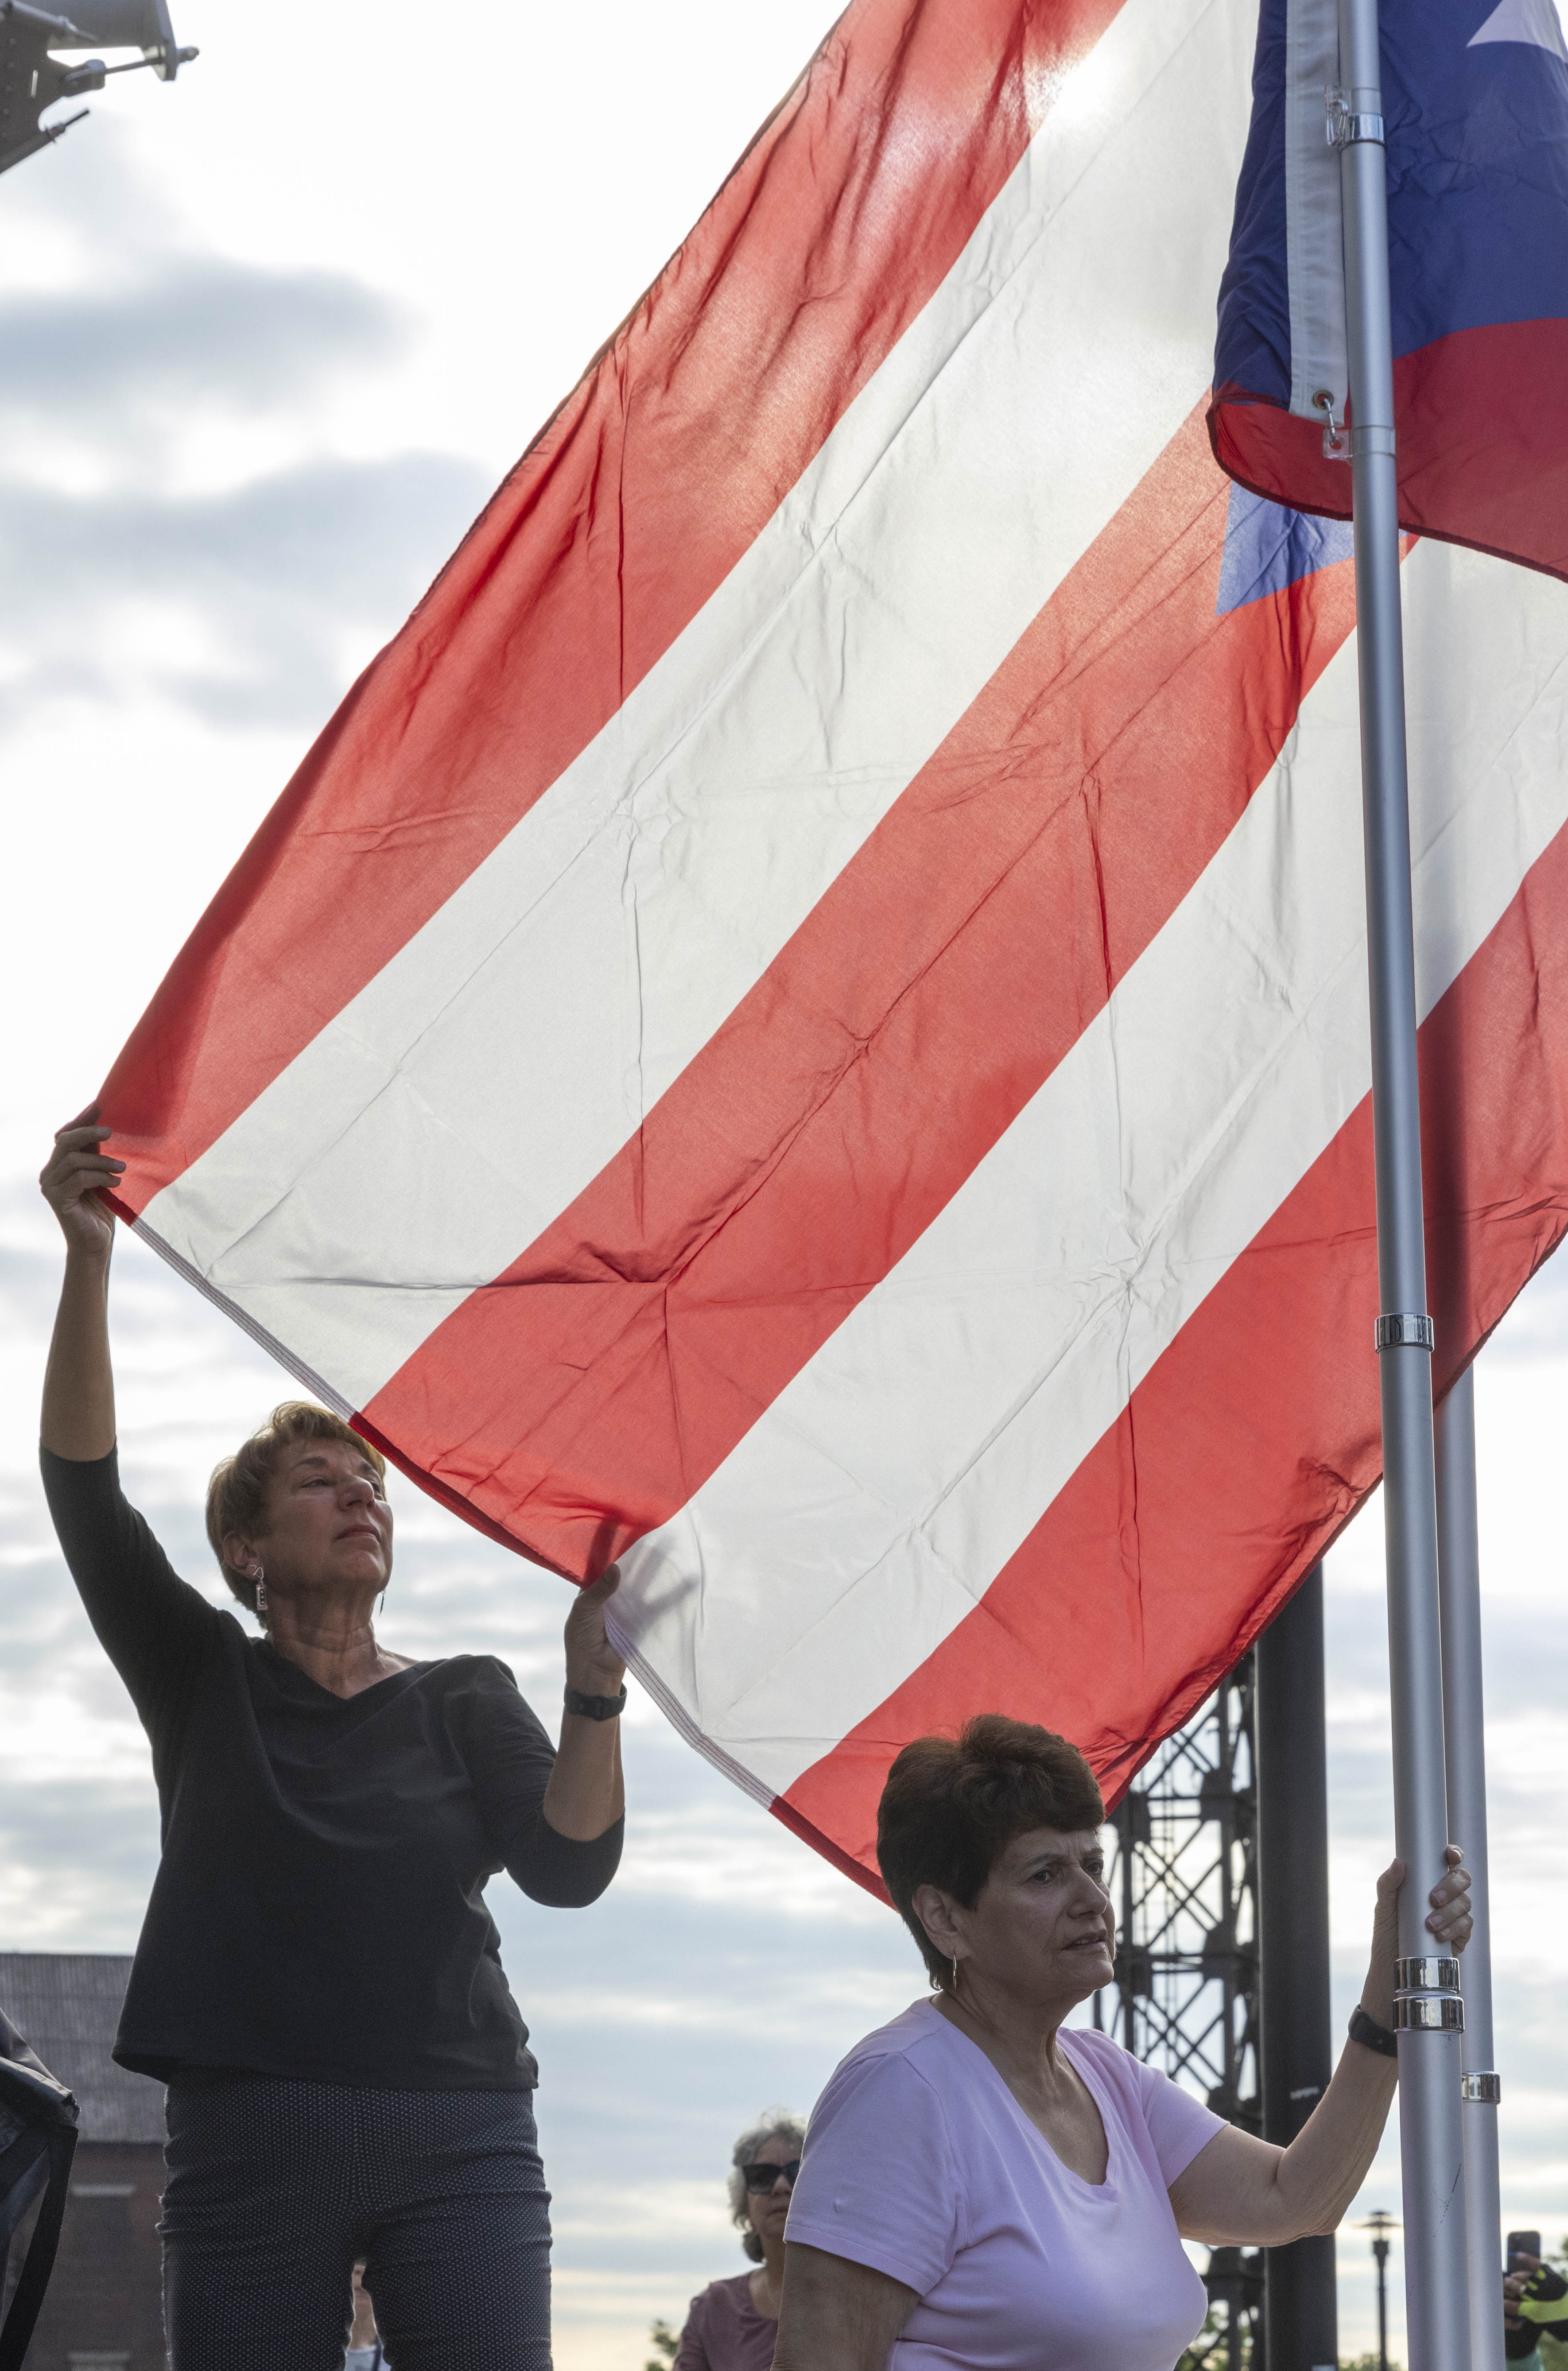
point(1428, 2010)
point(1459, 1563)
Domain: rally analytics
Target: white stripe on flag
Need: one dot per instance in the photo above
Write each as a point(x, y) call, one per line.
point(462, 1101)
point(872, 1504)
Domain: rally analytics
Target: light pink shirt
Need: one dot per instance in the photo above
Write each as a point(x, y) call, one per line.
point(919, 2162)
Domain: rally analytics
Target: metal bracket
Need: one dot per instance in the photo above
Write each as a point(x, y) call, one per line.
point(1430, 2013)
point(1481, 2090)
point(1427, 1999)
point(1345, 128)
point(1412, 1334)
point(1336, 435)
point(1426, 1974)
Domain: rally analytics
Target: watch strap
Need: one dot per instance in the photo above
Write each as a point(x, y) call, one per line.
point(595, 1708)
point(1371, 2035)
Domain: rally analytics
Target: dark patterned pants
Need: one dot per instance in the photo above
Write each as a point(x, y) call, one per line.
point(275, 2189)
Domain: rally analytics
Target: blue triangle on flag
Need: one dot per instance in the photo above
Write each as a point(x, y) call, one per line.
point(1267, 547)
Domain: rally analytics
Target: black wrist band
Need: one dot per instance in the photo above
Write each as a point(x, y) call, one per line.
point(1371, 2035)
point(595, 1708)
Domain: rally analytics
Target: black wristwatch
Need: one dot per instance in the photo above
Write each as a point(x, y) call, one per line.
point(1371, 2035)
point(595, 1708)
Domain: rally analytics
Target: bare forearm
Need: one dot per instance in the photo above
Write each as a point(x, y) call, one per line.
point(1240, 2192)
point(1326, 2164)
point(586, 1793)
point(78, 1383)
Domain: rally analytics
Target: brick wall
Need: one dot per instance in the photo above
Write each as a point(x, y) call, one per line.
point(104, 2310)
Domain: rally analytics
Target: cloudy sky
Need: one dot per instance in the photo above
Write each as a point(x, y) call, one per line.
point(268, 339)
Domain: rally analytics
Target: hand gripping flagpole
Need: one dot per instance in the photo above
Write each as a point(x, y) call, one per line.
point(1458, 1560)
point(1428, 2010)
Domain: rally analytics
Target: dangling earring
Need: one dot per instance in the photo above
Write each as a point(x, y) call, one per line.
point(260, 1577)
point(955, 1975)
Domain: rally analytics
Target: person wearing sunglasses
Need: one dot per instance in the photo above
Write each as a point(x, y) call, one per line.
point(733, 2324)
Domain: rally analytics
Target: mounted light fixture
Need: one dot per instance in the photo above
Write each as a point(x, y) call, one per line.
point(33, 77)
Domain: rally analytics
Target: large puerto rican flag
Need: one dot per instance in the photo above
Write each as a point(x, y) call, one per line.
point(804, 1026)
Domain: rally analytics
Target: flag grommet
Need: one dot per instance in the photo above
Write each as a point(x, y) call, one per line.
point(1414, 1333)
point(1336, 436)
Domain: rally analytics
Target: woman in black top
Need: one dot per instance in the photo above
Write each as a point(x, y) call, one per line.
point(318, 1979)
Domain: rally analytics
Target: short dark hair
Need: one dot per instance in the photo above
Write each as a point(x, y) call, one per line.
point(951, 1806)
point(236, 1495)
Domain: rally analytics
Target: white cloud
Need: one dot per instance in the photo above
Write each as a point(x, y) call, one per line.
point(189, 328)
point(251, 606)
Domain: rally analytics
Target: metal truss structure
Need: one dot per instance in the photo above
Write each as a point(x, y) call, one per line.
point(1183, 1876)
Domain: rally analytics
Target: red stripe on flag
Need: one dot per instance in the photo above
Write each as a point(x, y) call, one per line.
point(836, 226)
point(927, 997)
point(1252, 1441)
point(1482, 424)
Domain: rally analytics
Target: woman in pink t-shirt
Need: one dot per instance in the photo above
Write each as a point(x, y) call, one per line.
point(983, 2190)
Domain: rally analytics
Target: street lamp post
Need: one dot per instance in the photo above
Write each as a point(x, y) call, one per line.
point(1380, 2223)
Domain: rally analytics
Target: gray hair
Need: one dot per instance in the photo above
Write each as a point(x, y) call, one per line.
point(773, 2124)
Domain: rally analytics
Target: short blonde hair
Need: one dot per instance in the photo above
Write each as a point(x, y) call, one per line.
point(236, 1495)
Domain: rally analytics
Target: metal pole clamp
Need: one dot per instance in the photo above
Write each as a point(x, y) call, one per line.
point(1412, 1333)
point(1345, 128)
point(1427, 1999)
point(1483, 2089)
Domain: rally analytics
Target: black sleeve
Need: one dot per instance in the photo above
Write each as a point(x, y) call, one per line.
point(510, 1759)
point(155, 1629)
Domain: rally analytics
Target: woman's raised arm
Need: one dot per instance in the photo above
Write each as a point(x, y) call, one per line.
point(1240, 2192)
point(587, 1793)
point(78, 1383)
